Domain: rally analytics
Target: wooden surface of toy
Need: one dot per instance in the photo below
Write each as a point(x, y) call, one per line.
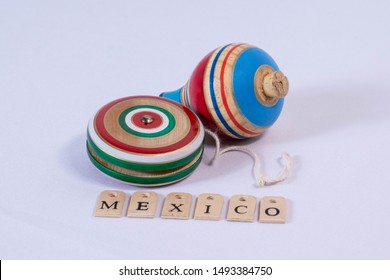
point(237, 87)
point(144, 140)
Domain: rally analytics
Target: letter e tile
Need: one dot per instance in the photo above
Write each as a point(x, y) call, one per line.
point(143, 205)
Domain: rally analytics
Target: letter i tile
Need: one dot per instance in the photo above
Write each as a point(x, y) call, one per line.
point(110, 204)
point(273, 210)
point(177, 205)
point(241, 208)
point(143, 205)
point(208, 207)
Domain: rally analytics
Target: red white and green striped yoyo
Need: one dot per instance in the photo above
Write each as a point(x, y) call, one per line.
point(145, 140)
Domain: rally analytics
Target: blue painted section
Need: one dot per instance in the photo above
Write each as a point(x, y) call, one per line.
point(214, 100)
point(172, 95)
point(243, 85)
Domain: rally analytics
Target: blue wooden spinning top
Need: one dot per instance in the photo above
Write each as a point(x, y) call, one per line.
point(237, 87)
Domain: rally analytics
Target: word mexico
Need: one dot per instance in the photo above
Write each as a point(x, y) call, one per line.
point(178, 205)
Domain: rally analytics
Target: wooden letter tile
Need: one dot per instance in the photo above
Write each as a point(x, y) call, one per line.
point(208, 207)
point(143, 205)
point(110, 204)
point(241, 208)
point(177, 205)
point(273, 210)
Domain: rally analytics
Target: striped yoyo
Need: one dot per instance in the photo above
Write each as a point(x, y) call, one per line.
point(145, 140)
point(238, 88)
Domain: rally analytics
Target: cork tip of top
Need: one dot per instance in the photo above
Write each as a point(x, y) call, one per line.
point(275, 84)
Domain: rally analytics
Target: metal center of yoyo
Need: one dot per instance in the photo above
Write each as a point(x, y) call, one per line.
point(147, 119)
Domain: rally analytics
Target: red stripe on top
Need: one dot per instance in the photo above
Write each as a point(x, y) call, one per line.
point(223, 94)
point(104, 134)
point(195, 89)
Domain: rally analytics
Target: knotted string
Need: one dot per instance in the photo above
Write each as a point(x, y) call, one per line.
point(261, 180)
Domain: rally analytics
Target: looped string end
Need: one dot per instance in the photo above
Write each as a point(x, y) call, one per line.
point(283, 175)
point(261, 180)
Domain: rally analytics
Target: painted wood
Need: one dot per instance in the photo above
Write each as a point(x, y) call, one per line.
point(145, 140)
point(231, 90)
point(145, 178)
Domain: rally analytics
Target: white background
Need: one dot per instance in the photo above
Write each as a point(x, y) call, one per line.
point(60, 61)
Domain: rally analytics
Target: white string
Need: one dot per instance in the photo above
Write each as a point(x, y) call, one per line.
point(261, 180)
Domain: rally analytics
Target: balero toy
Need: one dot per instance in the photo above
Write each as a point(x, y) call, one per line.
point(154, 141)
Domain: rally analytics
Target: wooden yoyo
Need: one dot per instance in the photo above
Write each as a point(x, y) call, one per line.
point(146, 141)
point(237, 87)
